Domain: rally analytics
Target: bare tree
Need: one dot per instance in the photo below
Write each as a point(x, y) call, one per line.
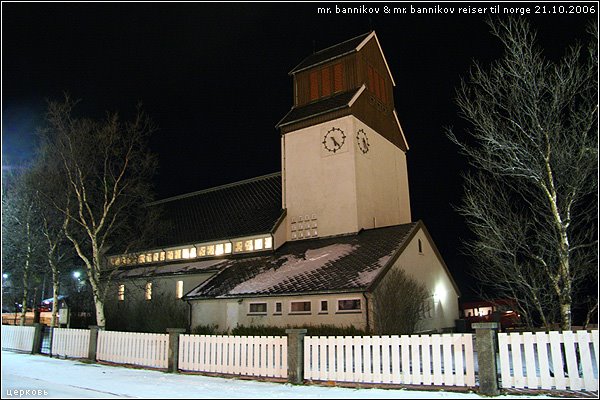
point(20, 237)
point(107, 168)
point(532, 198)
point(398, 304)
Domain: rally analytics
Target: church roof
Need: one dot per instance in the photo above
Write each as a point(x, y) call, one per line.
point(324, 106)
point(330, 53)
point(239, 209)
point(335, 264)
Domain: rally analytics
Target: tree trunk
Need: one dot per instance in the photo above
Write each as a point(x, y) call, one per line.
point(55, 286)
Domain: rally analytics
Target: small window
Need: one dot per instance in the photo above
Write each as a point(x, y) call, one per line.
point(142, 258)
point(121, 292)
point(258, 308)
point(248, 245)
point(239, 246)
point(420, 246)
point(179, 289)
point(210, 250)
point(149, 291)
point(202, 251)
point(258, 244)
point(155, 256)
point(349, 305)
point(268, 243)
point(185, 253)
point(278, 307)
point(170, 255)
point(162, 256)
point(219, 249)
point(227, 248)
point(324, 306)
point(177, 254)
point(300, 306)
point(193, 252)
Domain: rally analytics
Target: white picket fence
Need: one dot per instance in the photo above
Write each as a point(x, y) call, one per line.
point(549, 360)
point(444, 360)
point(17, 337)
point(264, 356)
point(145, 349)
point(70, 342)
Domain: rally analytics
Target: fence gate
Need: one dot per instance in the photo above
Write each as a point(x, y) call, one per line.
point(45, 347)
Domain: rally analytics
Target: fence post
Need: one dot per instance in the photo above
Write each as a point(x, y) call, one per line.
point(486, 343)
point(37, 338)
point(173, 361)
point(93, 346)
point(295, 355)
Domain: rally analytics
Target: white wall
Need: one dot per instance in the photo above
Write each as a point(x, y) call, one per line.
point(346, 190)
point(427, 268)
point(227, 313)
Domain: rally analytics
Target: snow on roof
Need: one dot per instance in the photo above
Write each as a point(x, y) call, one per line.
point(313, 260)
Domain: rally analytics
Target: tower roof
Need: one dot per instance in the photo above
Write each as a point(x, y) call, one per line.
point(330, 53)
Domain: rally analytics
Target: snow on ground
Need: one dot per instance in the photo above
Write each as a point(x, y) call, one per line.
point(47, 377)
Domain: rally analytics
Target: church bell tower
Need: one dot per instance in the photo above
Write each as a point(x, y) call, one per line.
point(343, 149)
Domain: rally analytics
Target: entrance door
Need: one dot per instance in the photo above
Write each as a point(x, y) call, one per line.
point(232, 315)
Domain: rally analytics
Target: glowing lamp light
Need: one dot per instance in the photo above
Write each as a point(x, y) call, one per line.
point(439, 294)
point(5, 276)
point(76, 274)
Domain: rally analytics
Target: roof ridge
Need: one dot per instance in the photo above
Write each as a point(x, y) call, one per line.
point(345, 41)
point(216, 188)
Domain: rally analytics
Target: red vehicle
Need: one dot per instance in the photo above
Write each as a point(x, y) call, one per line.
point(497, 310)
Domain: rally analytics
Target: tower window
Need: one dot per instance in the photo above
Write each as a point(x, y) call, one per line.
point(121, 292)
point(420, 246)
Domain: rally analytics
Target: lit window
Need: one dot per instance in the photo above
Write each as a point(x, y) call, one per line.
point(149, 291)
point(162, 256)
point(179, 289)
point(202, 251)
point(227, 248)
point(121, 292)
point(170, 255)
point(149, 257)
point(116, 261)
point(142, 258)
point(210, 250)
point(349, 305)
point(185, 253)
point(248, 245)
point(258, 308)
point(219, 250)
point(300, 306)
point(154, 256)
point(258, 244)
point(324, 305)
point(239, 246)
point(278, 307)
point(268, 243)
point(193, 252)
point(177, 254)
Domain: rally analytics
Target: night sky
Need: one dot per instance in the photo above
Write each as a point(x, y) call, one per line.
point(214, 78)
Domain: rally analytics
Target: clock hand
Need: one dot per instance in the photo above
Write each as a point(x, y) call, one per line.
point(365, 143)
point(335, 143)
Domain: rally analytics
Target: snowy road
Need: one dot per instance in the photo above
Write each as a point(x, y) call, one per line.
point(46, 377)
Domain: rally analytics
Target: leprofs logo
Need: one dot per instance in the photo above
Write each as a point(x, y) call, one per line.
point(26, 392)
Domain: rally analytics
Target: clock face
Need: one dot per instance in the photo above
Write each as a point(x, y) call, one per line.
point(334, 139)
point(363, 141)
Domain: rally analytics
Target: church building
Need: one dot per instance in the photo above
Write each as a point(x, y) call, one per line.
point(313, 243)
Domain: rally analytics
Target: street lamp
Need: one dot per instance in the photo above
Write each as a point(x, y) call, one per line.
point(76, 274)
